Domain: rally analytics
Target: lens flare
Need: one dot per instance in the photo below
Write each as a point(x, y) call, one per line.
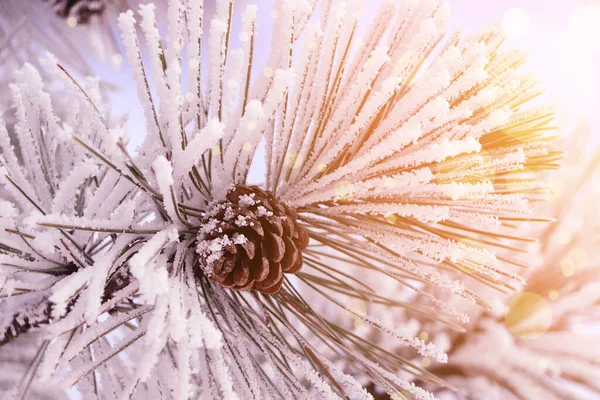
point(529, 315)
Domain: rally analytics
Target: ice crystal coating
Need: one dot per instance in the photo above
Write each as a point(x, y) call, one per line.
point(543, 342)
point(397, 149)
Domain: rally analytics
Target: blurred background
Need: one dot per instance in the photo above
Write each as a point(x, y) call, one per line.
point(562, 39)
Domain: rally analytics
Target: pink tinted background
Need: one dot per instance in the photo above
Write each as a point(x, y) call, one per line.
point(568, 66)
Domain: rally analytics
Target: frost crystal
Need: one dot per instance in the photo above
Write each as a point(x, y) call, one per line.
point(396, 164)
point(541, 343)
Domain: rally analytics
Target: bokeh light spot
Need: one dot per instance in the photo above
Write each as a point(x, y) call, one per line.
point(579, 257)
point(553, 295)
point(516, 23)
point(529, 315)
point(116, 60)
point(391, 218)
point(72, 22)
point(567, 267)
point(356, 305)
point(426, 362)
point(292, 160)
point(564, 238)
point(193, 63)
point(268, 72)
point(357, 309)
point(345, 191)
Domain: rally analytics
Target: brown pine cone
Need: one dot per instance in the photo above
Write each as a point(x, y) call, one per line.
point(250, 240)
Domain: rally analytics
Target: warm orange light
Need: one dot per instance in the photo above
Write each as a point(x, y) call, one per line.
point(529, 315)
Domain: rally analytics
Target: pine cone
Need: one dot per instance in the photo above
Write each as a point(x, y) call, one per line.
point(250, 240)
point(80, 9)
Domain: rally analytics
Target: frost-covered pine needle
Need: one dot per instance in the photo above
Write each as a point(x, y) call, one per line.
point(405, 153)
point(543, 342)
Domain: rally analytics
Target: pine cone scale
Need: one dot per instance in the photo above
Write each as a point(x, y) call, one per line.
point(258, 229)
point(252, 241)
point(275, 247)
point(290, 258)
point(260, 268)
point(274, 277)
point(301, 236)
point(275, 226)
point(250, 249)
point(241, 273)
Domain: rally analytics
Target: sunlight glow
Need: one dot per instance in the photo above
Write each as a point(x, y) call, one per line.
point(584, 27)
point(529, 315)
point(577, 74)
